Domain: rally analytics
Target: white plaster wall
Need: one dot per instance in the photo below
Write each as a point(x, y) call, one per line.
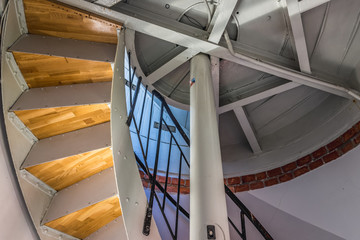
point(14, 221)
point(328, 197)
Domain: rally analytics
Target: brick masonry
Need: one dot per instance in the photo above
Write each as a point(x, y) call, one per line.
point(346, 142)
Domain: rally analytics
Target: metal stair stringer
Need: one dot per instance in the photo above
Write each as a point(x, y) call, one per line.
point(132, 196)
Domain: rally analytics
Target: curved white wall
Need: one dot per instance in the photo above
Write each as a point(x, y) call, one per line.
point(328, 197)
point(14, 220)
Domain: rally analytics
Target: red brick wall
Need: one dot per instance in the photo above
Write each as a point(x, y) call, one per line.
point(323, 155)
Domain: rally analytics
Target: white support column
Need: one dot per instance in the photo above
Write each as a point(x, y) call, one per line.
point(215, 74)
point(207, 193)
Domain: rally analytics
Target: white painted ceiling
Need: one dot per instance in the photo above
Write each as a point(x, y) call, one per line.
point(287, 125)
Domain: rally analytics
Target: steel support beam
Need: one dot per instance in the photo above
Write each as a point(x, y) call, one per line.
point(171, 65)
point(64, 47)
point(299, 35)
point(162, 71)
point(262, 55)
point(259, 96)
point(306, 5)
point(87, 192)
point(207, 193)
point(69, 144)
point(132, 197)
point(247, 128)
point(220, 19)
point(63, 96)
point(172, 31)
point(107, 3)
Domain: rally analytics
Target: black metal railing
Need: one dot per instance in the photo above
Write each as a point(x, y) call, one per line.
point(173, 143)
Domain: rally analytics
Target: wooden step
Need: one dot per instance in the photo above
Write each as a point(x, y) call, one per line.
point(44, 123)
point(53, 19)
point(64, 47)
point(64, 96)
point(84, 222)
point(85, 207)
point(68, 144)
point(112, 230)
point(62, 173)
point(45, 71)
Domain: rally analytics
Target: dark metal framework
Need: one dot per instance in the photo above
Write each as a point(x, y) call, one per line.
point(152, 172)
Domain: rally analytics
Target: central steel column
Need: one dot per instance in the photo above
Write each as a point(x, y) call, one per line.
point(207, 193)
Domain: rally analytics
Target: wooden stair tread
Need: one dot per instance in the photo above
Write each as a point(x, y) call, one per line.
point(49, 122)
point(53, 19)
point(62, 173)
point(82, 223)
point(46, 71)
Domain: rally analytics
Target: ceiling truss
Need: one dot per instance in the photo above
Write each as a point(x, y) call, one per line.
point(293, 9)
point(172, 31)
point(197, 40)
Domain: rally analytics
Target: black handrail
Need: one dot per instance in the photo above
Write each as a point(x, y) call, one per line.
point(231, 195)
point(244, 211)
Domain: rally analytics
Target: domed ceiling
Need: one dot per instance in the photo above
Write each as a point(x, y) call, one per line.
point(285, 72)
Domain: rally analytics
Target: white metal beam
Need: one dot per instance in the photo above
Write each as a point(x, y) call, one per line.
point(257, 53)
point(63, 47)
point(258, 96)
point(220, 19)
point(69, 144)
point(306, 5)
point(299, 35)
point(172, 31)
point(132, 197)
point(171, 65)
point(87, 192)
point(107, 3)
point(63, 96)
point(162, 71)
point(247, 128)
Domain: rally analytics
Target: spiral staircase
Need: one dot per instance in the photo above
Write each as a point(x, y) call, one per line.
point(62, 108)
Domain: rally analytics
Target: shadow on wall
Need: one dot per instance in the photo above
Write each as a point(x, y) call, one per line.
point(14, 218)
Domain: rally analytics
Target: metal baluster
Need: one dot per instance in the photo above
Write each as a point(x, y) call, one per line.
point(243, 229)
point(178, 199)
point(132, 109)
point(148, 135)
point(167, 172)
point(235, 228)
point(130, 80)
point(147, 220)
point(165, 218)
point(143, 105)
point(177, 144)
point(158, 185)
